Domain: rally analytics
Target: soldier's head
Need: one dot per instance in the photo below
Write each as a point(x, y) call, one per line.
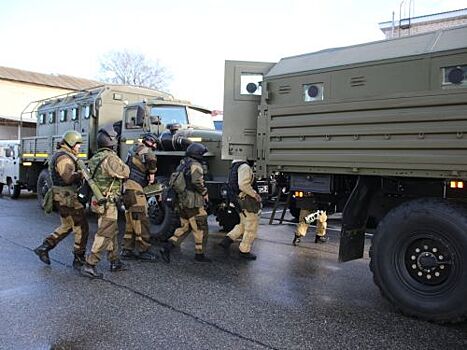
point(196, 151)
point(150, 140)
point(72, 139)
point(107, 137)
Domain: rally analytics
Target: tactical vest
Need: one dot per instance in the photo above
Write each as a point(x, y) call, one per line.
point(105, 183)
point(136, 174)
point(56, 178)
point(233, 177)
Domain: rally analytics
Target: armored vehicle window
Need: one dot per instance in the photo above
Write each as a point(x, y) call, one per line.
point(200, 118)
point(51, 117)
point(456, 75)
point(41, 118)
point(63, 115)
point(134, 118)
point(313, 92)
point(250, 84)
point(170, 114)
point(74, 114)
point(87, 110)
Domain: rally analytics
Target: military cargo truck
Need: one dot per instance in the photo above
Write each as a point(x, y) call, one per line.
point(133, 111)
point(376, 131)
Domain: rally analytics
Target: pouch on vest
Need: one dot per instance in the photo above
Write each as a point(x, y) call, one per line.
point(48, 201)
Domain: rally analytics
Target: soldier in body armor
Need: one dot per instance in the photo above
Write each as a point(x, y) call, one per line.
point(143, 165)
point(65, 181)
point(110, 171)
point(193, 216)
point(241, 181)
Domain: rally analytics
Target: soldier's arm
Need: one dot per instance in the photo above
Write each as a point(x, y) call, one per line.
point(197, 179)
point(115, 167)
point(245, 174)
point(150, 159)
point(66, 169)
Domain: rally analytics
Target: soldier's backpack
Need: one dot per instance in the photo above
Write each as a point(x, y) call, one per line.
point(178, 183)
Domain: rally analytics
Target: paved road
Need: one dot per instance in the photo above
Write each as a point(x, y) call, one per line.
point(290, 298)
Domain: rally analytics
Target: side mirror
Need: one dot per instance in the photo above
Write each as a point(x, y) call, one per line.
point(155, 120)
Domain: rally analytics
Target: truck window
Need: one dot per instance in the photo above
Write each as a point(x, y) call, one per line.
point(200, 118)
point(74, 114)
point(134, 118)
point(250, 84)
point(63, 115)
point(41, 118)
point(51, 117)
point(87, 111)
point(170, 114)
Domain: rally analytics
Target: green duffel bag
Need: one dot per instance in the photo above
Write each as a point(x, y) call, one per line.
point(48, 201)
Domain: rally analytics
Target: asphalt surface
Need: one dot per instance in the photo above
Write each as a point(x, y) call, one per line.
point(290, 298)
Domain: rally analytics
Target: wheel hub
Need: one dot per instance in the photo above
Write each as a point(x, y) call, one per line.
point(428, 261)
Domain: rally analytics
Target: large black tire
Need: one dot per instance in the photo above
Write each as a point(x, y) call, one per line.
point(419, 259)
point(14, 190)
point(163, 218)
point(227, 217)
point(44, 182)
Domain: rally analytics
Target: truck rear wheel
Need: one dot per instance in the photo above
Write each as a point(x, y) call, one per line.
point(419, 259)
point(227, 217)
point(163, 218)
point(44, 182)
point(14, 190)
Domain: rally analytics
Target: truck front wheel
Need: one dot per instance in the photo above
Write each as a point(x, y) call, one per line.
point(163, 218)
point(419, 259)
point(44, 182)
point(14, 190)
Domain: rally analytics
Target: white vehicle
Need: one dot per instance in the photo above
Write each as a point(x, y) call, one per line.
point(9, 167)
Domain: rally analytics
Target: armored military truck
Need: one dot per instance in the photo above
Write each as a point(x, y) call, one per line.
point(133, 111)
point(378, 132)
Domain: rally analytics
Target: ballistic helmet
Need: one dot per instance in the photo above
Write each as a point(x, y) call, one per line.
point(71, 138)
point(196, 151)
point(107, 137)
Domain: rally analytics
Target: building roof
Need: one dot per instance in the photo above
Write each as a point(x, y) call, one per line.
point(53, 80)
point(428, 18)
point(443, 40)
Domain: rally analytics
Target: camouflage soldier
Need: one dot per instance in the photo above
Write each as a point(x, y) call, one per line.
point(241, 181)
point(302, 226)
point(193, 216)
point(65, 181)
point(142, 162)
point(109, 171)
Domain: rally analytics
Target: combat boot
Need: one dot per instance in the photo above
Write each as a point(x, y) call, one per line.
point(226, 242)
point(43, 252)
point(91, 271)
point(321, 239)
point(127, 254)
point(117, 265)
point(296, 240)
point(248, 256)
point(147, 256)
point(202, 258)
point(78, 261)
point(165, 251)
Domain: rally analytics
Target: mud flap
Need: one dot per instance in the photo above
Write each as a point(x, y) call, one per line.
point(354, 219)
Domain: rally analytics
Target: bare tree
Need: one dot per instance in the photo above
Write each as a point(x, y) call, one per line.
point(133, 68)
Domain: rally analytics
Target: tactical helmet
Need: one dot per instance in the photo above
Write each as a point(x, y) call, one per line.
point(71, 138)
point(151, 137)
point(107, 137)
point(196, 151)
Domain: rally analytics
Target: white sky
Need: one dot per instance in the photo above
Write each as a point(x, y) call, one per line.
point(191, 38)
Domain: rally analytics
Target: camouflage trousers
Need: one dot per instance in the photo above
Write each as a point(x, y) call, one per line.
point(137, 233)
point(302, 226)
point(247, 227)
point(72, 220)
point(106, 238)
point(196, 221)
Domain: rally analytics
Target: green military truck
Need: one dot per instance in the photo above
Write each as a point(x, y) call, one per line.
point(376, 131)
point(133, 111)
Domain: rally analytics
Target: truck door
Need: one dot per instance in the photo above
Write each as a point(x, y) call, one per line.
point(242, 97)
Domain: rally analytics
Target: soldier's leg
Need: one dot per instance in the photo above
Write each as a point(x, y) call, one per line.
point(302, 226)
point(249, 236)
point(81, 231)
point(181, 232)
point(128, 242)
point(239, 229)
point(199, 227)
point(321, 225)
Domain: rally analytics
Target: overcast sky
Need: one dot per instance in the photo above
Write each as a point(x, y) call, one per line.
point(191, 38)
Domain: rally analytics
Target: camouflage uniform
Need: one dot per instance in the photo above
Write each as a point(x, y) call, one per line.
point(249, 218)
point(65, 181)
point(109, 178)
point(142, 162)
point(193, 216)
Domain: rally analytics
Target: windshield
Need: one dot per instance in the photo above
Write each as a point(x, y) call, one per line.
point(170, 114)
point(200, 119)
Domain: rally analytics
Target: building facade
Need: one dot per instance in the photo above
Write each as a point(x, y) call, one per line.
point(18, 88)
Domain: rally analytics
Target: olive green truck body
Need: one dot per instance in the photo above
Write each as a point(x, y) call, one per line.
point(376, 131)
